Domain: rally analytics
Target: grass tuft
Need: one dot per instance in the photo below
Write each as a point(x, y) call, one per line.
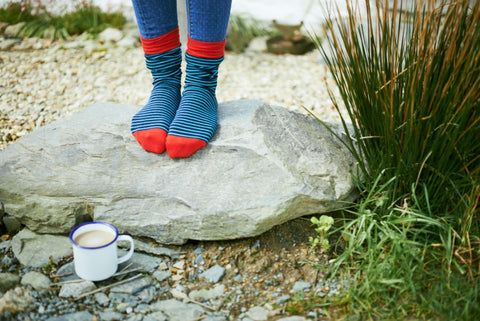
point(409, 80)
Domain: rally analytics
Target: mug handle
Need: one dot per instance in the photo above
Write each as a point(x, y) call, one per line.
point(127, 256)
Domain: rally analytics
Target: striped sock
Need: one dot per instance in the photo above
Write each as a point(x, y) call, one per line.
point(150, 125)
point(196, 118)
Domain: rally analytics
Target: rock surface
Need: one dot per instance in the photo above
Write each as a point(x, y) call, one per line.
point(36, 250)
point(265, 165)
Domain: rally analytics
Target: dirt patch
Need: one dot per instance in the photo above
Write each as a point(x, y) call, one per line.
point(261, 269)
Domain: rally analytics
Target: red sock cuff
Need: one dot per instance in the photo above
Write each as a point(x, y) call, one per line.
point(203, 49)
point(164, 43)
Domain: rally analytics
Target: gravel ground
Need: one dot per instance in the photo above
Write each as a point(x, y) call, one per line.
point(267, 277)
point(42, 82)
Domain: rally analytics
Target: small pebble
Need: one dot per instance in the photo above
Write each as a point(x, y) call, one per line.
point(301, 286)
point(199, 259)
point(213, 274)
point(238, 278)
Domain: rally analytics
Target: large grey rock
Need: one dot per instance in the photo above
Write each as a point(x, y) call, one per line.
point(264, 166)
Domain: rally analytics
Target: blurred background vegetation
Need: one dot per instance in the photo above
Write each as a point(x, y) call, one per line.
point(40, 22)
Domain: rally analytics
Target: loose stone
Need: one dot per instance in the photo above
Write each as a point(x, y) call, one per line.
point(213, 274)
point(205, 295)
point(8, 281)
point(76, 289)
point(258, 314)
point(238, 278)
point(37, 280)
point(133, 286)
point(293, 318)
point(301, 286)
point(102, 299)
point(199, 259)
point(155, 316)
point(283, 299)
point(76, 316)
point(161, 276)
point(16, 300)
point(178, 311)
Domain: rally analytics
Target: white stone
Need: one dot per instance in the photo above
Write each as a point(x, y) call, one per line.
point(7, 44)
point(258, 314)
point(12, 30)
point(128, 42)
point(110, 35)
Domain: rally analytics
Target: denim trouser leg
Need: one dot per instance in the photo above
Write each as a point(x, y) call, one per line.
point(208, 19)
point(155, 17)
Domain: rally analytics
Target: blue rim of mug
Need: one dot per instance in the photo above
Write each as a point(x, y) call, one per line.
point(90, 223)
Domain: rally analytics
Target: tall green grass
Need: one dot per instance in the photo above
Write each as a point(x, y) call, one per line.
point(410, 82)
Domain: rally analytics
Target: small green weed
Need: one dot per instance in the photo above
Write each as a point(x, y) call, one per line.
point(301, 303)
point(323, 225)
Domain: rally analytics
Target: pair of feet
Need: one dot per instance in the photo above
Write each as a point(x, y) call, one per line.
point(157, 140)
point(179, 124)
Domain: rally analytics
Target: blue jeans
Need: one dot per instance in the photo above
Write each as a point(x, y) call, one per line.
point(207, 19)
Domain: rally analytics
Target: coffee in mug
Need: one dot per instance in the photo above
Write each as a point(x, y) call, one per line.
point(95, 250)
point(94, 238)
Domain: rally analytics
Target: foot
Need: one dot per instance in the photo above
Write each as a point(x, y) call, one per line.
point(196, 118)
point(151, 124)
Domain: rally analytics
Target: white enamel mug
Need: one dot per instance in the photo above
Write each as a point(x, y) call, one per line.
point(97, 260)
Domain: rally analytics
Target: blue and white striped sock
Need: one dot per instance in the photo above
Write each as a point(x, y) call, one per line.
point(196, 118)
point(151, 124)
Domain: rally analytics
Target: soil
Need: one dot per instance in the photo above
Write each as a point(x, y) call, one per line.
point(269, 264)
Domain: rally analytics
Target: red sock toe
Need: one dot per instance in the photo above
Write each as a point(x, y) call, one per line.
point(152, 140)
point(182, 146)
